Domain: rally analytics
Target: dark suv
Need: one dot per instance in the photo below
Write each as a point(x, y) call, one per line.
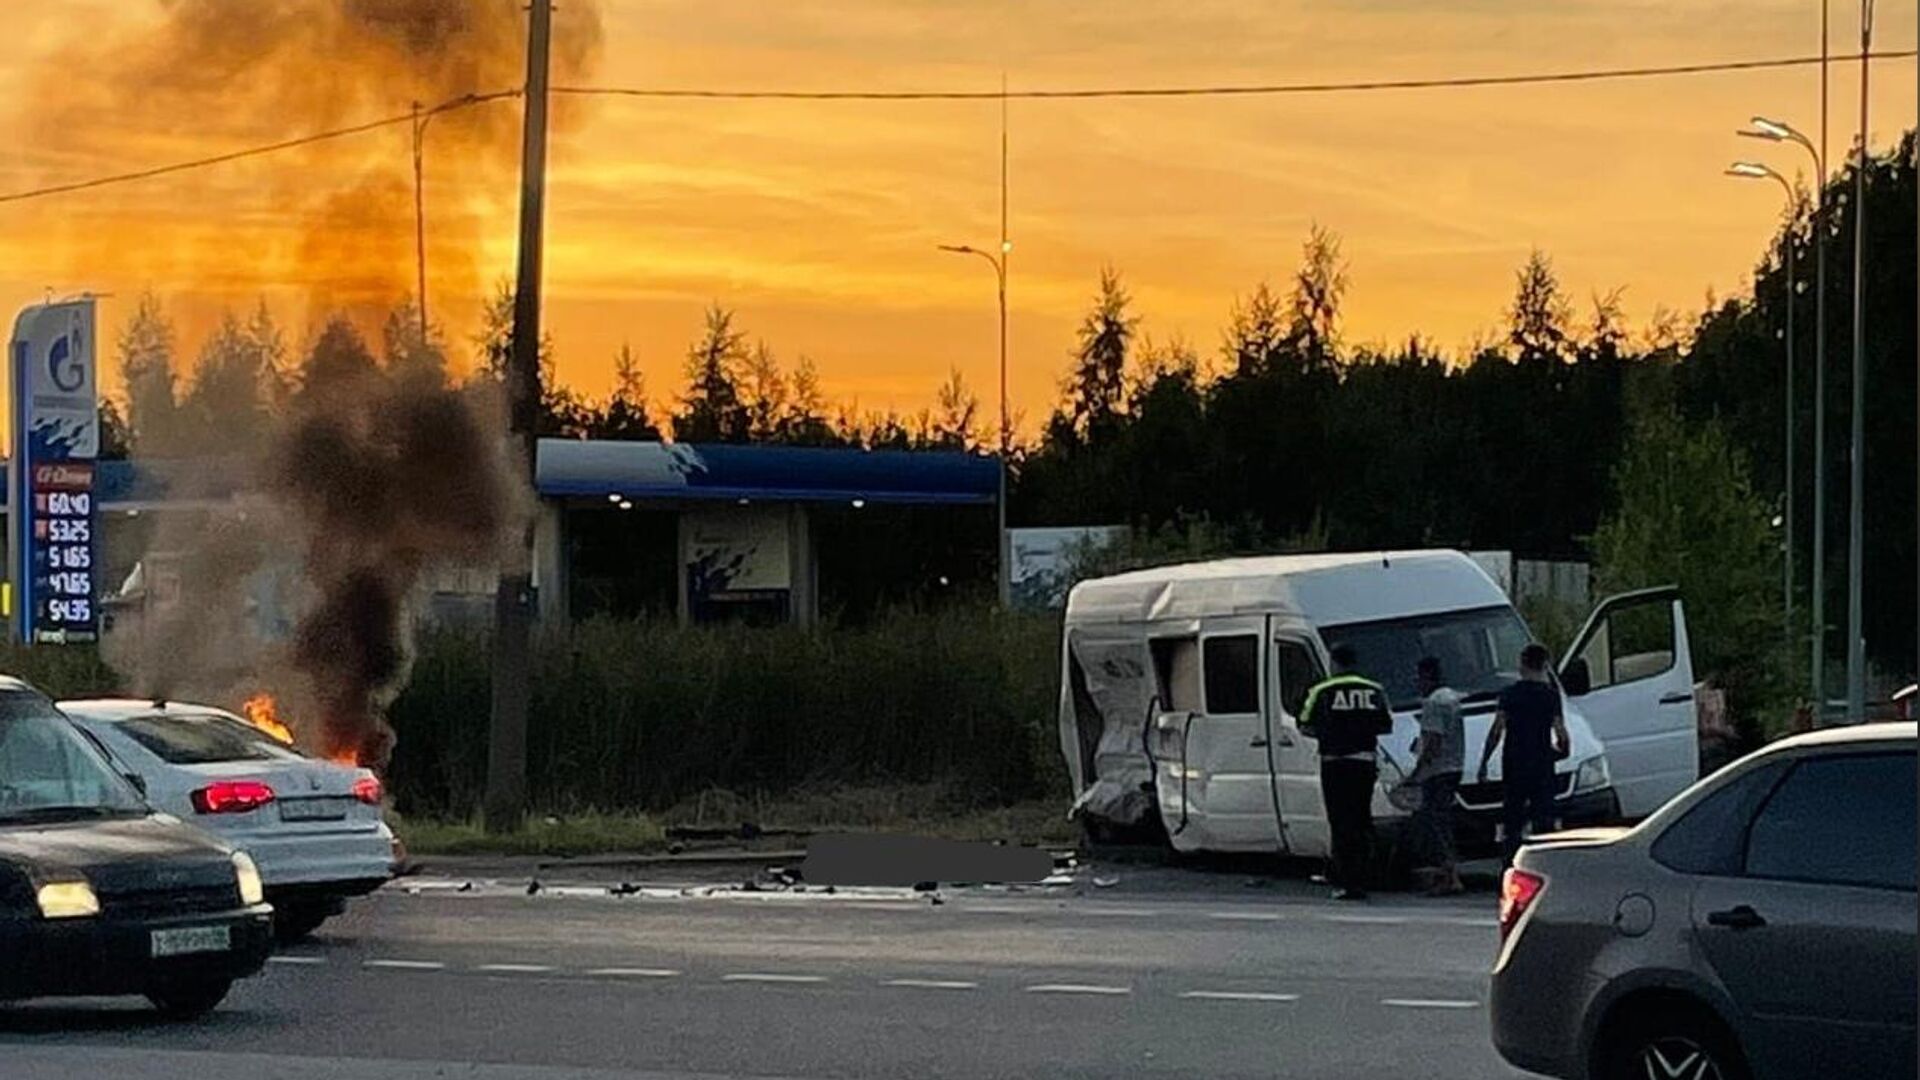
point(1762, 925)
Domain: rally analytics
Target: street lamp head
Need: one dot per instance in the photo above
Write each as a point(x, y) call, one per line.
point(1749, 169)
point(958, 249)
point(1762, 128)
point(1006, 246)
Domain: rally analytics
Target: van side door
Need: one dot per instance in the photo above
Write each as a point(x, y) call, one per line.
point(1630, 674)
point(1222, 786)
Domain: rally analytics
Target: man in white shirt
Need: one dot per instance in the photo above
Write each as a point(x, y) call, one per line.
point(1442, 755)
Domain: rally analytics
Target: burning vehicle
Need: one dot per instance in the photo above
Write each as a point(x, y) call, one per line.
point(312, 825)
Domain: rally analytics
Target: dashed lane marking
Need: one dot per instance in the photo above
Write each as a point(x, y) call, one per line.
point(1429, 1003)
point(514, 969)
point(634, 973)
point(407, 965)
point(1246, 916)
point(769, 977)
point(1368, 920)
point(1079, 988)
point(303, 961)
point(1237, 995)
point(932, 984)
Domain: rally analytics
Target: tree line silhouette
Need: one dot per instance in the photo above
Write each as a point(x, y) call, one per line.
point(1285, 430)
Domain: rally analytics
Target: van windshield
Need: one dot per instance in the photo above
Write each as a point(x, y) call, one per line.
point(1479, 650)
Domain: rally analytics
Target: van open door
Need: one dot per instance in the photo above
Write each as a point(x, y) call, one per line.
point(1630, 673)
point(1214, 773)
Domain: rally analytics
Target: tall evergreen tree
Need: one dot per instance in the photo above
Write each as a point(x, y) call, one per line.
point(711, 408)
point(1096, 388)
point(146, 348)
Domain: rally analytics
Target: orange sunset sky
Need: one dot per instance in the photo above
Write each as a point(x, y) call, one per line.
point(817, 222)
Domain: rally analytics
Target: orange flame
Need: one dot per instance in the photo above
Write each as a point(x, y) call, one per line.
point(350, 758)
point(261, 711)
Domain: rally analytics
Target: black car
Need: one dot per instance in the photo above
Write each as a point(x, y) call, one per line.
point(101, 895)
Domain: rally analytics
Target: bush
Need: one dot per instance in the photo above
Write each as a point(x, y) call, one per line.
point(63, 671)
point(639, 715)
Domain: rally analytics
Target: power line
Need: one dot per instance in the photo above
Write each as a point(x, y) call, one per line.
point(256, 151)
point(1228, 90)
point(1235, 90)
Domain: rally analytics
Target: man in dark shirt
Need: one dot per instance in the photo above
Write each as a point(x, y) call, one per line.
point(1346, 713)
point(1532, 734)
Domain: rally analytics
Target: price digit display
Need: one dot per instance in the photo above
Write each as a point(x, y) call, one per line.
point(63, 583)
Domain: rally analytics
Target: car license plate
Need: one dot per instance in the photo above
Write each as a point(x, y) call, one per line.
point(321, 809)
point(191, 939)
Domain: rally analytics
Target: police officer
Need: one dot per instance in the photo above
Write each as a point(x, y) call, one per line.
point(1346, 713)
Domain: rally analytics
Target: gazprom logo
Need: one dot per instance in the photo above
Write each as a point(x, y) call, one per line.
point(66, 359)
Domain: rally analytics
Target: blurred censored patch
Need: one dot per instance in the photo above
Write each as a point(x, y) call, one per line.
point(916, 860)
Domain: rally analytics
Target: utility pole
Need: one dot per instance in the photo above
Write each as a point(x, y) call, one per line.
point(1856, 519)
point(506, 796)
point(420, 218)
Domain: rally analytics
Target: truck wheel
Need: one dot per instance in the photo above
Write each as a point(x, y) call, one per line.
point(188, 1000)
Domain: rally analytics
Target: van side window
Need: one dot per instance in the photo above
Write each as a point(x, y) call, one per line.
point(1176, 673)
point(1299, 670)
point(1232, 669)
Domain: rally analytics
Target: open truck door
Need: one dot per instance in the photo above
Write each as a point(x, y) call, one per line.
point(1630, 673)
point(1214, 773)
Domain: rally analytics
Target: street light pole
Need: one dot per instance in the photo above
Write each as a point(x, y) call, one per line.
point(1775, 131)
point(999, 264)
point(1754, 171)
point(1856, 521)
point(1006, 424)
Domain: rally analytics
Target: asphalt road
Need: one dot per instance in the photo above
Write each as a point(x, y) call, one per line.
point(1218, 980)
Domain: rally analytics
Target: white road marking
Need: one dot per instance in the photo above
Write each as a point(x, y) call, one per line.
point(1429, 1003)
point(1370, 920)
point(634, 973)
point(1246, 916)
point(1078, 988)
point(515, 969)
point(933, 984)
point(1116, 912)
point(765, 977)
point(301, 960)
point(1237, 995)
point(407, 965)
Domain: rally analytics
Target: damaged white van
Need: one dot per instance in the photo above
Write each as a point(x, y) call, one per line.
point(1181, 691)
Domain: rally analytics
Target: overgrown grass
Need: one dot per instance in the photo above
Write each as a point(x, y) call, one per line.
point(575, 834)
point(643, 716)
point(920, 809)
point(782, 822)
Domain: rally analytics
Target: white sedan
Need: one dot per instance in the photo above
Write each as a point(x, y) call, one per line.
point(314, 827)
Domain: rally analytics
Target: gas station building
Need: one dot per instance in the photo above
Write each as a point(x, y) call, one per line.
point(699, 532)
